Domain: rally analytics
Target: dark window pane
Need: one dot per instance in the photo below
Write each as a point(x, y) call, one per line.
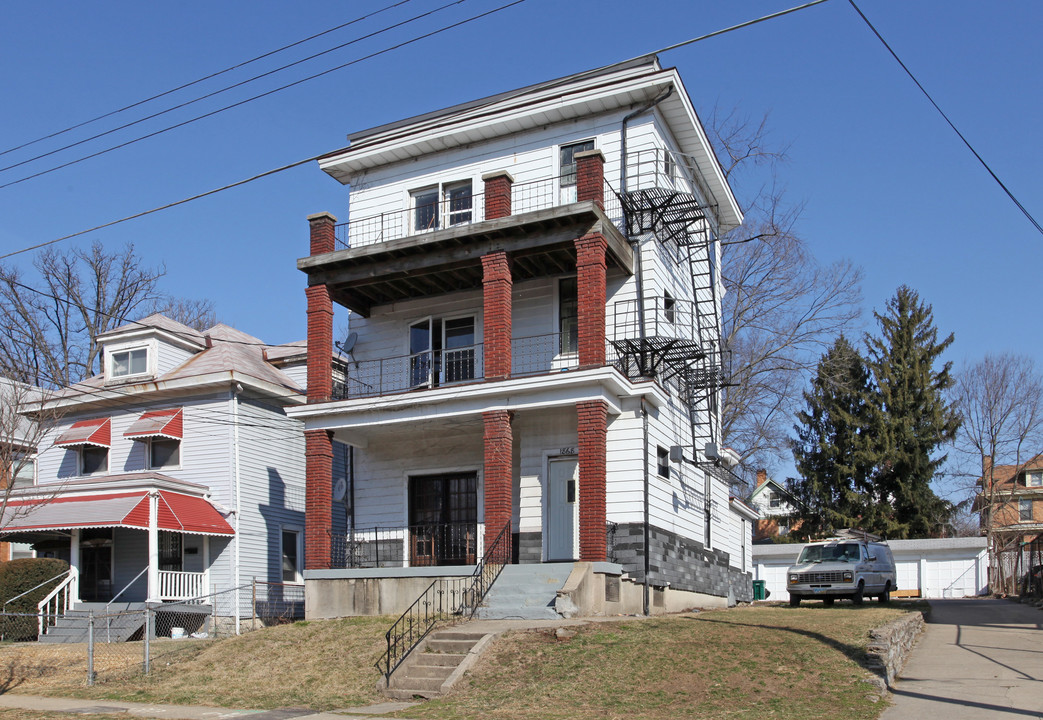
point(568, 160)
point(426, 211)
point(164, 453)
point(94, 459)
point(568, 315)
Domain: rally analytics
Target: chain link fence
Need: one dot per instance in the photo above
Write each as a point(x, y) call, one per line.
point(126, 638)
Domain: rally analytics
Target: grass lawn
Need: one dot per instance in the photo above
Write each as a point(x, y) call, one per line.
point(751, 662)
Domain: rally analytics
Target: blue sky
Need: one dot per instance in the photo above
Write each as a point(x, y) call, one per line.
point(885, 182)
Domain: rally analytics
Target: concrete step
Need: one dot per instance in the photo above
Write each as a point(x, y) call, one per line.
point(438, 645)
point(525, 591)
point(444, 659)
point(430, 671)
point(417, 685)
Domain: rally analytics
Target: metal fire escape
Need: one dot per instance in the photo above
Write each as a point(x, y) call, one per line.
point(675, 340)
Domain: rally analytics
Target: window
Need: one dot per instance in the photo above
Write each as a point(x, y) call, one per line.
point(669, 166)
point(290, 556)
point(441, 351)
point(568, 161)
point(458, 197)
point(568, 315)
point(663, 462)
point(163, 453)
point(774, 500)
point(669, 307)
point(454, 199)
point(24, 470)
point(425, 209)
point(93, 459)
point(1025, 510)
point(1034, 478)
point(458, 360)
point(125, 363)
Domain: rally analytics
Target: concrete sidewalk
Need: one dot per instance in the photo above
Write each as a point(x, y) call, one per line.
point(978, 658)
point(187, 712)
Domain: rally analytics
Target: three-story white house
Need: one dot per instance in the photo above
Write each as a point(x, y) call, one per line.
point(174, 473)
point(533, 282)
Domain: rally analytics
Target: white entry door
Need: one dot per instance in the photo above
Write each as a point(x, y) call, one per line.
point(561, 494)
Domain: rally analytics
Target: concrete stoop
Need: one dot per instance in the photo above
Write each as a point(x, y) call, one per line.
point(525, 592)
point(437, 663)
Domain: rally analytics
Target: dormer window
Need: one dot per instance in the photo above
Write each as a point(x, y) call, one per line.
point(127, 363)
point(1034, 478)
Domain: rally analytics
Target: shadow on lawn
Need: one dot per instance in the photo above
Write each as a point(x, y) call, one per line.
point(853, 652)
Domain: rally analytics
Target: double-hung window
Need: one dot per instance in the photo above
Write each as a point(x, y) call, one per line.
point(1025, 510)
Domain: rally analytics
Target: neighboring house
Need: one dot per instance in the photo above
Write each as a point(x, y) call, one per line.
point(776, 507)
point(533, 282)
point(18, 438)
point(175, 473)
point(1015, 501)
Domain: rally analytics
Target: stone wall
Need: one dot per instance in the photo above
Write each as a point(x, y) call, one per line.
point(889, 646)
point(679, 562)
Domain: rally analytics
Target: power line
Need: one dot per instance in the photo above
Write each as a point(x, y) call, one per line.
point(265, 94)
point(204, 78)
point(200, 98)
point(945, 117)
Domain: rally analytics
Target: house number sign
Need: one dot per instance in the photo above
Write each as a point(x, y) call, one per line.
point(568, 451)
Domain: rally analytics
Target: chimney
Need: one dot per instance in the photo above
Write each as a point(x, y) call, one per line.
point(762, 477)
point(986, 468)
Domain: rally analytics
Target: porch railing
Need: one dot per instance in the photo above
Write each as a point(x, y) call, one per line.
point(57, 602)
point(445, 601)
point(176, 585)
point(422, 545)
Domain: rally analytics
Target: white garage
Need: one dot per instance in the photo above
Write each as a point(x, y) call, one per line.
point(935, 568)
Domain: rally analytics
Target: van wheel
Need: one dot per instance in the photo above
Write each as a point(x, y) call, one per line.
point(827, 601)
point(886, 594)
point(794, 600)
point(858, 598)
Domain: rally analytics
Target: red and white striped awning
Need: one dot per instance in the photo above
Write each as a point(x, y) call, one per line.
point(176, 511)
point(87, 432)
point(157, 423)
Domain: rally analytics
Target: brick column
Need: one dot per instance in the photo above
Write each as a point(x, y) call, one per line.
point(320, 343)
point(496, 315)
point(592, 430)
point(590, 287)
point(499, 455)
point(318, 498)
point(497, 194)
point(323, 237)
point(590, 176)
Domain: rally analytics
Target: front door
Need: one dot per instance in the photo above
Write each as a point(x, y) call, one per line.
point(96, 565)
point(443, 519)
point(561, 493)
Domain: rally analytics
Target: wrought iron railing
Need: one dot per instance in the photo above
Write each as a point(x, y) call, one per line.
point(416, 545)
point(445, 601)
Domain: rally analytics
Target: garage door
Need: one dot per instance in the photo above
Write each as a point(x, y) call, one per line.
point(775, 581)
point(907, 575)
point(951, 578)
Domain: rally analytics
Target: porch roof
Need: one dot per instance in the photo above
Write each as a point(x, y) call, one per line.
point(177, 512)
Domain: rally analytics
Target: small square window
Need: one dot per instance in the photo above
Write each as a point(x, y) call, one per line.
point(164, 453)
point(129, 362)
point(93, 459)
point(663, 462)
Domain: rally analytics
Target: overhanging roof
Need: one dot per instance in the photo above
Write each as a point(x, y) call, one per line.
point(176, 512)
point(97, 431)
point(157, 423)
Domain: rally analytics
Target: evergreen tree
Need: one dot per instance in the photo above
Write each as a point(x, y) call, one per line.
point(834, 452)
point(911, 418)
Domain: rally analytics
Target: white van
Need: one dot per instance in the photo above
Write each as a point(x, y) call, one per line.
point(842, 569)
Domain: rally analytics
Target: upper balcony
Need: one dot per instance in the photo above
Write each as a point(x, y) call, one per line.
point(435, 245)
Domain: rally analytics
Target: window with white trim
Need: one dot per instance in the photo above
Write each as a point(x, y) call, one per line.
point(291, 551)
point(126, 363)
point(568, 176)
point(663, 462)
point(1034, 478)
point(93, 459)
point(23, 468)
point(1025, 510)
point(164, 453)
point(442, 205)
point(568, 315)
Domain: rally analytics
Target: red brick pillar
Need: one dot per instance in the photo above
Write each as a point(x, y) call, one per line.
point(590, 176)
point(499, 456)
point(496, 315)
point(592, 430)
point(497, 194)
point(318, 498)
point(320, 344)
point(323, 237)
point(590, 284)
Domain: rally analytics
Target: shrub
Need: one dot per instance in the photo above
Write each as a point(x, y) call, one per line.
point(20, 575)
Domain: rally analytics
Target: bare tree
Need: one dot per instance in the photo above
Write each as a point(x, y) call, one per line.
point(781, 309)
point(197, 314)
point(49, 328)
point(1001, 402)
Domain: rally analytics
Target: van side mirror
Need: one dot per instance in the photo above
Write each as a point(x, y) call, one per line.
point(872, 558)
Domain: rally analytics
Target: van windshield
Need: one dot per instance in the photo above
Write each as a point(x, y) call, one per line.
point(843, 552)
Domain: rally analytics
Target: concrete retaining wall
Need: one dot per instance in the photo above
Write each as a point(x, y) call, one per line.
point(386, 591)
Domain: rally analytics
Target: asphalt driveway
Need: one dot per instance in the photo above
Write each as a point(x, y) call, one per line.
point(978, 658)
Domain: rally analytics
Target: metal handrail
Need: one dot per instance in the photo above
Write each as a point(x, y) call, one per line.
point(126, 587)
point(444, 600)
point(37, 587)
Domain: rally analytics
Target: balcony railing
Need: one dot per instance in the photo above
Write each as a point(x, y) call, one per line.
point(451, 212)
point(432, 544)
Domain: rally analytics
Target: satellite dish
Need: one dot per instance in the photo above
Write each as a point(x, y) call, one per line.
point(349, 343)
point(340, 489)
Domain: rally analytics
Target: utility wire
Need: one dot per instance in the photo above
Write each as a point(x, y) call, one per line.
point(200, 98)
point(205, 78)
point(945, 117)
